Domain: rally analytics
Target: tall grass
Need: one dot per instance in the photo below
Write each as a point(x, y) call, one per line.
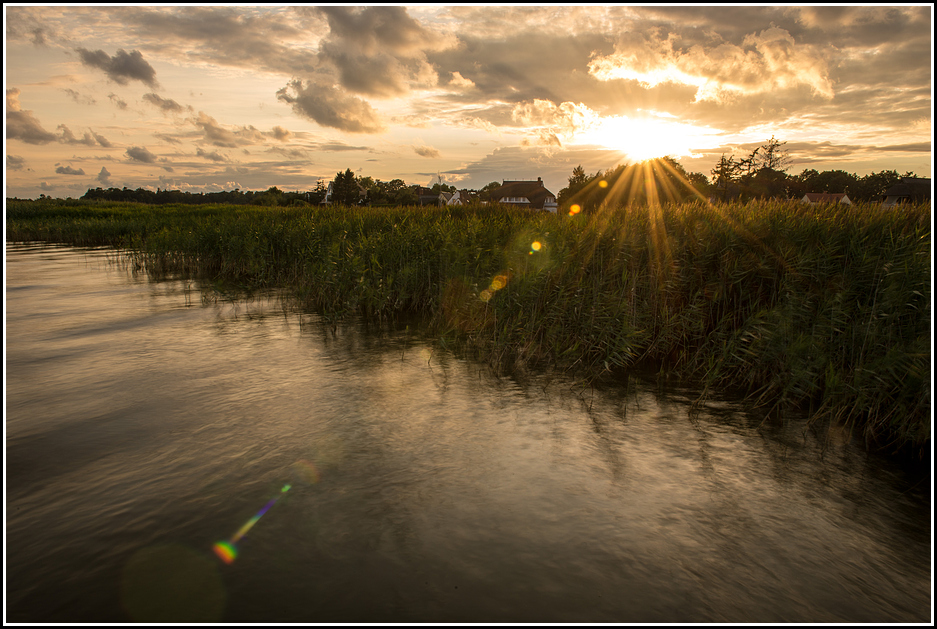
point(826, 308)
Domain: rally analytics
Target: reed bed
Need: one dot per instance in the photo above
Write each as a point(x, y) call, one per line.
point(825, 308)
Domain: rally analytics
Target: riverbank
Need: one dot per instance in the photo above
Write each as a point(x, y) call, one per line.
point(827, 309)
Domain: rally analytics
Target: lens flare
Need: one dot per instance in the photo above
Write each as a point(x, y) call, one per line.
point(227, 550)
point(574, 209)
point(535, 246)
point(603, 184)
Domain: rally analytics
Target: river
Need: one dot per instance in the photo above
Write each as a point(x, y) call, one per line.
point(375, 479)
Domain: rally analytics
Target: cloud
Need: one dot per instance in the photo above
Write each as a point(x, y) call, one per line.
point(330, 107)
point(339, 146)
point(117, 101)
point(122, 68)
point(101, 139)
point(68, 170)
point(78, 98)
point(426, 151)
point(214, 156)
point(15, 162)
point(22, 124)
point(765, 62)
point(27, 23)
point(44, 186)
point(522, 65)
point(548, 121)
point(457, 81)
point(281, 134)
point(273, 41)
point(68, 137)
point(166, 105)
point(104, 176)
point(167, 138)
point(288, 153)
point(378, 50)
point(140, 154)
point(217, 135)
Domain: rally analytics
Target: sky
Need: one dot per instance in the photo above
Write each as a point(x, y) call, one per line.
point(223, 97)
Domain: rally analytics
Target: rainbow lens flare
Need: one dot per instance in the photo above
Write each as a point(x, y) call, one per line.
point(227, 551)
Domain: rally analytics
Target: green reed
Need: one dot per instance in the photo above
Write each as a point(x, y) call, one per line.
point(826, 308)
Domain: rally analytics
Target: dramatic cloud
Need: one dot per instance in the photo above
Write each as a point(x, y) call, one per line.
point(271, 41)
point(68, 170)
point(104, 176)
point(22, 124)
point(378, 50)
point(426, 151)
point(167, 105)
point(486, 92)
point(122, 68)
point(140, 154)
point(764, 62)
point(329, 107)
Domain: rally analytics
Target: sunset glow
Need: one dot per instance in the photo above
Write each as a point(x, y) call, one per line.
point(210, 98)
point(646, 138)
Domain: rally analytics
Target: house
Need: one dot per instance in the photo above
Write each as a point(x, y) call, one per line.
point(426, 196)
point(529, 194)
point(463, 197)
point(444, 198)
point(362, 194)
point(908, 190)
point(817, 198)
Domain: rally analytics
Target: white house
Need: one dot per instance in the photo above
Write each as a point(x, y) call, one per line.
point(816, 198)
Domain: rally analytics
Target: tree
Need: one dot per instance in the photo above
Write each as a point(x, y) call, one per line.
point(700, 182)
point(441, 187)
point(726, 176)
point(317, 195)
point(345, 189)
point(772, 156)
point(577, 183)
point(873, 186)
point(406, 196)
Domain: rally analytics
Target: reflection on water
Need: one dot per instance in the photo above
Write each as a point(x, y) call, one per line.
point(146, 423)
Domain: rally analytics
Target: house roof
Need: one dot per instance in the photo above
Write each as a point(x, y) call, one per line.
point(916, 188)
point(533, 191)
point(825, 197)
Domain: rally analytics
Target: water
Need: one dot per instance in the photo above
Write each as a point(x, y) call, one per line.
point(146, 421)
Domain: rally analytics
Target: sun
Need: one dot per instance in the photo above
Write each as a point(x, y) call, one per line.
point(648, 137)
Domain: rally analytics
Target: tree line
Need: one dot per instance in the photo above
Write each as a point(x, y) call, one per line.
point(761, 174)
point(270, 197)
